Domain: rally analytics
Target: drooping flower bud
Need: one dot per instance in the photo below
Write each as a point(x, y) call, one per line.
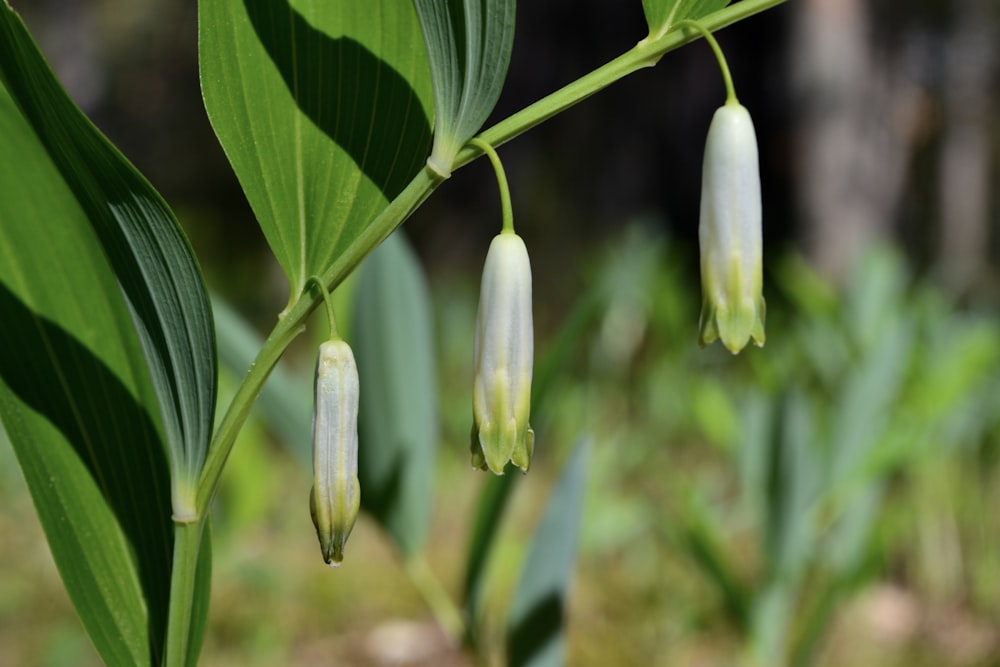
point(730, 233)
point(336, 495)
point(504, 353)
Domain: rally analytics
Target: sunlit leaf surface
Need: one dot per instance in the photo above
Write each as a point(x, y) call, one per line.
point(324, 111)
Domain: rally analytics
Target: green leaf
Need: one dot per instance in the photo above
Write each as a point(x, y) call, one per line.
point(397, 422)
point(108, 346)
point(534, 625)
point(149, 255)
point(661, 15)
point(322, 109)
point(796, 468)
point(851, 540)
point(492, 503)
point(77, 402)
point(468, 45)
point(773, 609)
point(867, 398)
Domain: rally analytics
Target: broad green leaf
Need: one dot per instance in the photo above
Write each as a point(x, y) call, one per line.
point(149, 255)
point(468, 45)
point(535, 622)
point(397, 422)
point(77, 402)
point(662, 15)
point(323, 110)
point(79, 413)
point(109, 354)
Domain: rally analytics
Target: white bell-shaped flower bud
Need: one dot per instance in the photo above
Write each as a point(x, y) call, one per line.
point(730, 233)
point(504, 354)
point(336, 495)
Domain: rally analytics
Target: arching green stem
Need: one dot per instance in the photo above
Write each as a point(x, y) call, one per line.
point(644, 54)
point(292, 322)
point(506, 209)
point(710, 38)
point(315, 280)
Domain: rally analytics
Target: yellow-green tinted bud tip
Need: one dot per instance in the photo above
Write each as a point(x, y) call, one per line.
point(504, 354)
point(335, 497)
point(730, 234)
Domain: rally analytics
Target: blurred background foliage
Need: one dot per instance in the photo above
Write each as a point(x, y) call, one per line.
point(827, 500)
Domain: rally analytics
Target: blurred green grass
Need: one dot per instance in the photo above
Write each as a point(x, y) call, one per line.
point(826, 500)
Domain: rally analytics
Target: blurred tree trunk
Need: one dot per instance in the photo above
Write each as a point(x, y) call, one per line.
point(858, 113)
point(964, 176)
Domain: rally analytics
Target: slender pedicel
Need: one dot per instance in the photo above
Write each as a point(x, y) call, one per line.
point(503, 348)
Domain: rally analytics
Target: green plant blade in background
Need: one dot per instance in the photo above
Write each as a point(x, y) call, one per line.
point(398, 418)
point(468, 45)
point(862, 416)
point(661, 15)
point(323, 110)
point(534, 624)
point(699, 535)
point(489, 511)
point(151, 259)
point(796, 466)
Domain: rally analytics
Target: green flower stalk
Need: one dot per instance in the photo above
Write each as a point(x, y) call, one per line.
point(730, 233)
point(504, 354)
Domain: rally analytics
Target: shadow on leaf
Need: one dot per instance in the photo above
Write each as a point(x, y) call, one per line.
point(355, 98)
point(52, 373)
point(536, 631)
